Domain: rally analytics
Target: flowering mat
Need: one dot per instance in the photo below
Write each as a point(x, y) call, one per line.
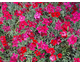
point(39, 31)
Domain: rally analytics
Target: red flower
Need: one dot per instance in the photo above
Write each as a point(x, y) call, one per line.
point(51, 51)
point(65, 26)
point(74, 8)
point(1, 59)
point(23, 49)
point(57, 14)
point(27, 5)
point(34, 59)
point(1, 22)
point(7, 15)
point(54, 42)
point(59, 55)
point(20, 4)
point(37, 53)
point(31, 35)
point(39, 10)
point(35, 41)
point(53, 14)
point(35, 5)
point(60, 3)
point(3, 41)
point(22, 57)
point(18, 13)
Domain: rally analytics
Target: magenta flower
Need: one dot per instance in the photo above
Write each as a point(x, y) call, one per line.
point(37, 15)
point(15, 2)
point(14, 58)
point(6, 28)
point(42, 45)
point(1, 19)
point(76, 59)
point(7, 15)
point(16, 39)
point(76, 17)
point(24, 36)
point(2, 50)
point(58, 40)
point(15, 43)
point(32, 46)
point(22, 24)
point(77, 32)
point(4, 7)
point(50, 8)
point(72, 40)
point(58, 25)
point(45, 21)
point(21, 18)
point(42, 29)
point(42, 55)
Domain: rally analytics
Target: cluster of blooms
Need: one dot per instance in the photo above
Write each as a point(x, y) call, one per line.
point(37, 37)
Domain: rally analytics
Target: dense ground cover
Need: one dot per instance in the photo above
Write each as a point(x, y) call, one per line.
point(39, 32)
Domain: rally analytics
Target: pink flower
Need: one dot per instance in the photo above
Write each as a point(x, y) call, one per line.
point(15, 43)
point(21, 18)
point(58, 8)
point(37, 15)
point(72, 39)
point(67, 4)
point(6, 28)
point(52, 58)
point(58, 25)
point(14, 58)
point(63, 34)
